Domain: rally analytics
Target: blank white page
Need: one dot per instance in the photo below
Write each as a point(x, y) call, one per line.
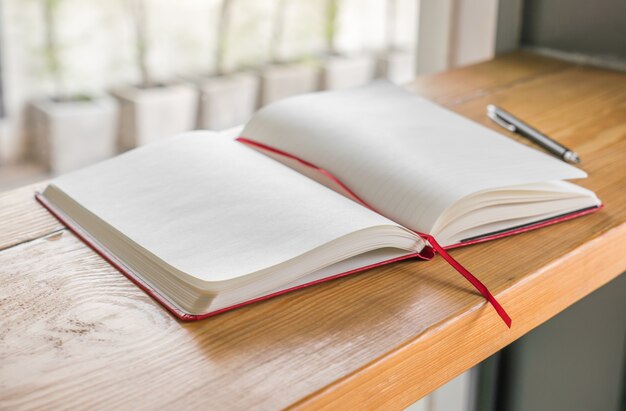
point(405, 156)
point(212, 207)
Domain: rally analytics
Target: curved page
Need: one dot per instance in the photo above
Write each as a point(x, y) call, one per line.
point(214, 208)
point(405, 156)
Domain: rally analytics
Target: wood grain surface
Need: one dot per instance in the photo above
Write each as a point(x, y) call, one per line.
point(74, 333)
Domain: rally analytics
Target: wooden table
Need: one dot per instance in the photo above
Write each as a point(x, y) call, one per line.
point(76, 333)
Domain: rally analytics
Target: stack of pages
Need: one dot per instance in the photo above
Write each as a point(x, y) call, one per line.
point(317, 186)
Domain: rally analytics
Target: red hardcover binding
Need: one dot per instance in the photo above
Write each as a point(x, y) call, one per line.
point(429, 238)
point(171, 306)
point(426, 254)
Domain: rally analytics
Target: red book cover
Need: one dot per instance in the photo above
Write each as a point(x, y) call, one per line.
point(426, 254)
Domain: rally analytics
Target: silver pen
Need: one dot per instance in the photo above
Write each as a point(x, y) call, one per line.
point(515, 125)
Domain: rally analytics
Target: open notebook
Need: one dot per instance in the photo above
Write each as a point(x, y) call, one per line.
point(317, 186)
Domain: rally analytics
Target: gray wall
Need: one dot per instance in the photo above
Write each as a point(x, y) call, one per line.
point(594, 27)
point(574, 362)
point(509, 25)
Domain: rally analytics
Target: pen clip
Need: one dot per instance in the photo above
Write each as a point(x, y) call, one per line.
point(500, 121)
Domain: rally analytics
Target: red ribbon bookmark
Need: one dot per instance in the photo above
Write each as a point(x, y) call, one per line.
point(484, 291)
point(469, 277)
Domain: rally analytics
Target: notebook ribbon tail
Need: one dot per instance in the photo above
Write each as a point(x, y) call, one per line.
point(434, 244)
point(469, 277)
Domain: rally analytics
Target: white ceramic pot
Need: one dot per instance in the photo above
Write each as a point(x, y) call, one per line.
point(343, 71)
point(227, 101)
point(150, 114)
point(285, 80)
point(398, 67)
point(74, 134)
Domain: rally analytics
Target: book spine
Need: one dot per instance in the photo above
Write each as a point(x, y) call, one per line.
point(434, 245)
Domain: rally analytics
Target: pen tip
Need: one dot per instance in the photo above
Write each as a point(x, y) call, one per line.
point(571, 157)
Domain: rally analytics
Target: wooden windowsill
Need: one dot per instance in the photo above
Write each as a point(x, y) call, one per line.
point(75, 332)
